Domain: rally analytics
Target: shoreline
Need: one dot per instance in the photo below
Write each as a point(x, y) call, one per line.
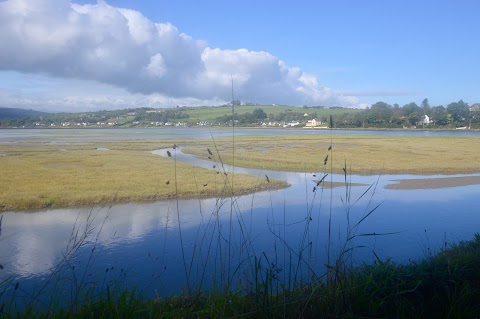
point(146, 199)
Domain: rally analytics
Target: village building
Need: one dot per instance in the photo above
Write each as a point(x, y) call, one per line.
point(425, 120)
point(313, 122)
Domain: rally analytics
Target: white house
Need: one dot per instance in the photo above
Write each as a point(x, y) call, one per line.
point(425, 120)
point(291, 124)
point(313, 123)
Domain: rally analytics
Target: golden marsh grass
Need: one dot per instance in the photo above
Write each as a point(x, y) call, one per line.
point(45, 175)
point(364, 154)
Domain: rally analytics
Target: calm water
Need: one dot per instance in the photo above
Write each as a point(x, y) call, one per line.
point(63, 135)
point(171, 245)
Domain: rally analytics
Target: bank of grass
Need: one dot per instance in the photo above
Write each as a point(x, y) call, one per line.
point(446, 285)
point(44, 175)
point(367, 154)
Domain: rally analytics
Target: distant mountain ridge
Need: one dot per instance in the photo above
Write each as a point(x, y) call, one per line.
point(15, 113)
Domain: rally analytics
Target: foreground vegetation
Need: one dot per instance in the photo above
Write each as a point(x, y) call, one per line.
point(446, 285)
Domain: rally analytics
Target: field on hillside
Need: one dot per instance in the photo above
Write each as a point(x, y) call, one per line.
point(212, 113)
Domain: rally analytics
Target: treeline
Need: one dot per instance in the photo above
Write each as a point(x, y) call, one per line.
point(381, 114)
point(245, 119)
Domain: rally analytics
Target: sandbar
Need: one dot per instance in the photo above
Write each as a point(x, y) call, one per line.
point(432, 183)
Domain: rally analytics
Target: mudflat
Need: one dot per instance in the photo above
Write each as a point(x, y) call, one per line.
point(431, 183)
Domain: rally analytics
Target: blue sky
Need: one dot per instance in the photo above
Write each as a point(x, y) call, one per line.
point(83, 55)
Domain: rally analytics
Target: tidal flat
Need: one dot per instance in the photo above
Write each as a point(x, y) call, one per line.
point(359, 154)
point(40, 173)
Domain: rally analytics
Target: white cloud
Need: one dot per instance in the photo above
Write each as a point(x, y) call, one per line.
point(379, 92)
point(156, 68)
point(123, 49)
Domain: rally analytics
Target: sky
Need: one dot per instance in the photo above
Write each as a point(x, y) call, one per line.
point(86, 55)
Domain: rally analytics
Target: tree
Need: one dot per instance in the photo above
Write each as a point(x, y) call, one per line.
point(412, 112)
point(459, 111)
point(259, 114)
point(380, 112)
point(439, 115)
point(425, 104)
point(410, 108)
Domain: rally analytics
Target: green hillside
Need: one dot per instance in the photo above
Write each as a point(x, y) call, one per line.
point(14, 113)
point(210, 113)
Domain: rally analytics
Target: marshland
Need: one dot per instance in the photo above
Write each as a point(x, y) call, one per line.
point(271, 219)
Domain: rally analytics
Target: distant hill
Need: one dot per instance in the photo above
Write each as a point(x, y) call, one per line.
point(7, 113)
